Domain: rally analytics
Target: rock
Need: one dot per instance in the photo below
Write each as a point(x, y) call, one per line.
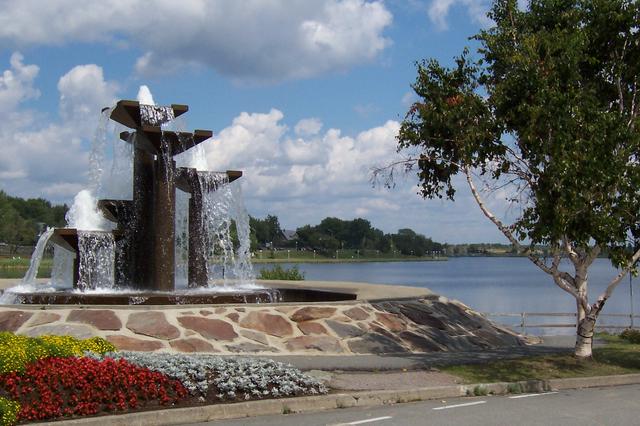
point(438, 336)
point(209, 328)
point(356, 313)
point(78, 331)
point(344, 330)
point(240, 309)
point(312, 313)
point(285, 309)
point(420, 343)
point(102, 319)
point(234, 316)
point(205, 313)
point(44, 318)
point(391, 321)
point(13, 320)
point(310, 327)
point(220, 311)
point(421, 314)
point(374, 343)
point(152, 324)
point(380, 330)
point(192, 345)
point(250, 347)
point(255, 336)
point(272, 324)
point(316, 343)
point(125, 343)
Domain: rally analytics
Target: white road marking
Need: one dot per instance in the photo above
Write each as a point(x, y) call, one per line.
point(444, 407)
point(527, 395)
point(360, 422)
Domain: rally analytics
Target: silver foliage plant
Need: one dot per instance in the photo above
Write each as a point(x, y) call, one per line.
point(250, 378)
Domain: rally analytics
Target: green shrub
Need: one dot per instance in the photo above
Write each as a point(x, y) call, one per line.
point(480, 390)
point(631, 335)
point(279, 273)
point(514, 388)
point(8, 412)
point(16, 351)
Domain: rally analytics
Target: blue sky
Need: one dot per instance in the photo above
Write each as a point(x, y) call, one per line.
point(303, 96)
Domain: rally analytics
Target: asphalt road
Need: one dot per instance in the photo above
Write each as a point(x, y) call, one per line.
point(600, 406)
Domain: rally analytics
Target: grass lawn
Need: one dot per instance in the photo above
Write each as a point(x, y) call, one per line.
point(616, 357)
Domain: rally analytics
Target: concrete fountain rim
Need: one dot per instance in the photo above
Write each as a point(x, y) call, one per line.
point(365, 292)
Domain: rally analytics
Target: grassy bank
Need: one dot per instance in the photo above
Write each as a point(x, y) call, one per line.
point(616, 357)
point(16, 268)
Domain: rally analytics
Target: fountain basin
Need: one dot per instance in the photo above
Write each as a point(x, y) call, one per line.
point(267, 295)
point(381, 319)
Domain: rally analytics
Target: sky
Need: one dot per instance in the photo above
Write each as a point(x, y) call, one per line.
point(303, 96)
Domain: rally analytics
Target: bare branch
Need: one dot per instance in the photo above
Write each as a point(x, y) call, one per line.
point(507, 232)
point(615, 281)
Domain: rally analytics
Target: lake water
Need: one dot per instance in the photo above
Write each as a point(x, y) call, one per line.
point(487, 284)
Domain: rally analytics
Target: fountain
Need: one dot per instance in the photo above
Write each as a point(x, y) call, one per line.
point(122, 253)
point(135, 262)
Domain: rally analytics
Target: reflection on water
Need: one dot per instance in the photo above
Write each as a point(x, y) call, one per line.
point(487, 284)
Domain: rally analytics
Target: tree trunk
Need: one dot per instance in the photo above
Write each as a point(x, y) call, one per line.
point(584, 337)
point(585, 324)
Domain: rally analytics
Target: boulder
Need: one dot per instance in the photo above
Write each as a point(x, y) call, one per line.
point(125, 343)
point(102, 319)
point(272, 324)
point(209, 328)
point(152, 324)
point(309, 313)
point(13, 320)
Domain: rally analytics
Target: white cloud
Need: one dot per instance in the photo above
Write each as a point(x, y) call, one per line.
point(84, 92)
point(476, 10)
point(16, 85)
point(49, 158)
point(302, 180)
point(249, 41)
point(308, 127)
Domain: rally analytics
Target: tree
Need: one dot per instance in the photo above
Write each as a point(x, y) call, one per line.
point(267, 231)
point(549, 113)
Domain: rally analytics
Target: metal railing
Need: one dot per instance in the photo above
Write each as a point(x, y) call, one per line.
point(614, 323)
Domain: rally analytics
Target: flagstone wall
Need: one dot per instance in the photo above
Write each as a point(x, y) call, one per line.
point(425, 324)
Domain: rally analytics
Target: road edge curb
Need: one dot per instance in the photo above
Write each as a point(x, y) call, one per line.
point(307, 404)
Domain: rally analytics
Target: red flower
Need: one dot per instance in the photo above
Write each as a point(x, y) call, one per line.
point(56, 387)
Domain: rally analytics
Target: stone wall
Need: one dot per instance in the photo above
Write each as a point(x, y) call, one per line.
point(426, 324)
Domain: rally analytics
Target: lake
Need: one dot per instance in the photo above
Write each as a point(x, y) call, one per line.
point(487, 284)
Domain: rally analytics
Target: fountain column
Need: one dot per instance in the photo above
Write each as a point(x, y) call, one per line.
point(198, 183)
point(164, 217)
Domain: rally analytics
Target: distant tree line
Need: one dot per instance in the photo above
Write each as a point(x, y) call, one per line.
point(333, 234)
point(21, 221)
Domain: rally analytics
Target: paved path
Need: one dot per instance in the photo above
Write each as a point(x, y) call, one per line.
point(418, 361)
point(598, 406)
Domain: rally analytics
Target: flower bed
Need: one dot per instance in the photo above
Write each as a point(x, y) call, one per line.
point(62, 387)
point(59, 376)
point(213, 378)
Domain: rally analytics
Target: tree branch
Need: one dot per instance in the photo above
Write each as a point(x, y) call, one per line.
point(615, 281)
point(507, 233)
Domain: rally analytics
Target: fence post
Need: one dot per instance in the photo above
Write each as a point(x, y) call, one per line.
point(523, 326)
